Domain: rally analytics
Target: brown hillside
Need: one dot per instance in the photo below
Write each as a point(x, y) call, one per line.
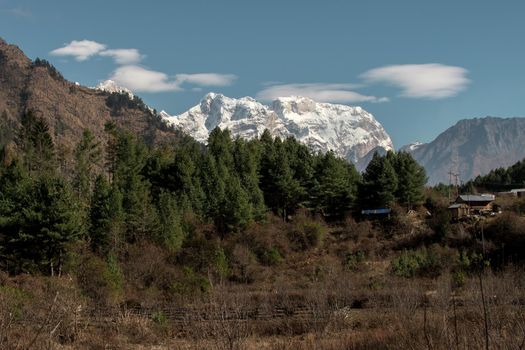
point(68, 108)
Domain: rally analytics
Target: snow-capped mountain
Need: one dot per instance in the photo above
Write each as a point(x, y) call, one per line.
point(350, 132)
point(111, 86)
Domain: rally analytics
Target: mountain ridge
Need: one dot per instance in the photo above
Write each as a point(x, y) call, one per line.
point(351, 132)
point(67, 107)
point(472, 147)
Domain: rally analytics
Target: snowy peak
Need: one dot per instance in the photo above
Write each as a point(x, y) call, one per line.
point(350, 132)
point(244, 117)
point(111, 87)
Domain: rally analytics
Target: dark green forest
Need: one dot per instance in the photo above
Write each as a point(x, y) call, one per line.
point(500, 179)
point(123, 191)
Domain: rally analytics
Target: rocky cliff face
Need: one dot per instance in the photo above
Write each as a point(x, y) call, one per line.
point(67, 107)
point(350, 132)
point(472, 147)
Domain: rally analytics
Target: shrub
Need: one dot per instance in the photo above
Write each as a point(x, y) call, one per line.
point(508, 233)
point(354, 260)
point(113, 277)
point(160, 318)
point(425, 262)
point(221, 267)
point(245, 267)
point(271, 257)
point(12, 299)
point(458, 279)
point(306, 233)
point(100, 280)
point(191, 284)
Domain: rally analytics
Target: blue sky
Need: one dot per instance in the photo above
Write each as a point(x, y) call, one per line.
point(418, 66)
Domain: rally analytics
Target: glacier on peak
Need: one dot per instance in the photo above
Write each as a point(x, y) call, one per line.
point(350, 132)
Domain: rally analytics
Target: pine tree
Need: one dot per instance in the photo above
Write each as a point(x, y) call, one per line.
point(335, 186)
point(379, 183)
point(220, 146)
point(37, 145)
point(43, 223)
point(411, 180)
point(237, 211)
point(283, 193)
point(184, 179)
point(213, 187)
point(106, 217)
point(170, 233)
point(87, 157)
point(100, 216)
point(246, 168)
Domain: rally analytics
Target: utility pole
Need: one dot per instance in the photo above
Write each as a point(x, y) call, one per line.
point(456, 185)
point(456, 176)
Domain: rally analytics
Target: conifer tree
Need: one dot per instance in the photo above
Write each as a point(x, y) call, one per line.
point(237, 211)
point(379, 183)
point(335, 186)
point(411, 180)
point(170, 233)
point(36, 143)
point(246, 168)
point(87, 158)
point(39, 229)
point(213, 187)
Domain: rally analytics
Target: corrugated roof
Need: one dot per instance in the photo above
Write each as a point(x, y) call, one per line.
point(476, 198)
point(455, 206)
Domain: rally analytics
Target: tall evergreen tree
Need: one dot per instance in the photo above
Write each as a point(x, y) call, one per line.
point(411, 180)
point(214, 189)
point(105, 216)
point(36, 143)
point(335, 187)
point(170, 233)
point(39, 229)
point(246, 168)
point(379, 184)
point(237, 211)
point(87, 158)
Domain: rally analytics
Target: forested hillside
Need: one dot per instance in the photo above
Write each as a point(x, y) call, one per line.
point(122, 191)
point(500, 179)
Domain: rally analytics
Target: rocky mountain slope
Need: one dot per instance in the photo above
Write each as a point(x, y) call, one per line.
point(472, 147)
point(350, 132)
point(67, 107)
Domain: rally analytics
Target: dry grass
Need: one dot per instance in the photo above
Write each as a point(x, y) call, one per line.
point(312, 299)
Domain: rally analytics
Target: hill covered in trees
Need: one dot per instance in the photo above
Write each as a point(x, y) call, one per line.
point(233, 244)
point(123, 191)
point(66, 107)
point(500, 179)
point(237, 245)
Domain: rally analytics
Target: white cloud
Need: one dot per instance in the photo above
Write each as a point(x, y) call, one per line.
point(322, 92)
point(139, 79)
point(206, 79)
point(81, 50)
point(431, 80)
point(123, 56)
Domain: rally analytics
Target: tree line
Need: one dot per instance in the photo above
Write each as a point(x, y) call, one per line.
point(500, 179)
point(122, 191)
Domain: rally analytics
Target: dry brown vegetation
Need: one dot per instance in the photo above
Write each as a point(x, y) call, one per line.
point(355, 288)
